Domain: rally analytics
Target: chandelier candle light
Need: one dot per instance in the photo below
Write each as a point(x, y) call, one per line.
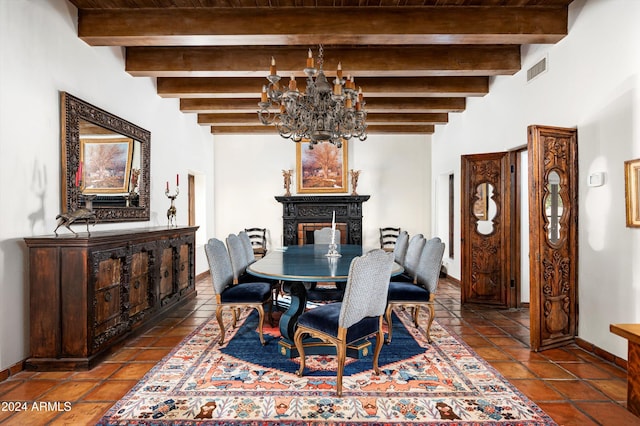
point(323, 113)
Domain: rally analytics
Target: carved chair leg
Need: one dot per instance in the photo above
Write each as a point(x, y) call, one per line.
point(260, 310)
point(387, 315)
point(220, 323)
point(416, 310)
point(432, 313)
point(297, 339)
point(341, 352)
point(376, 352)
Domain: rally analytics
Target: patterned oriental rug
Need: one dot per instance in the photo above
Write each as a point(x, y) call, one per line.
point(243, 383)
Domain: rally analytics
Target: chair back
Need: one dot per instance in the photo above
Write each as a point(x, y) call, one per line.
point(238, 256)
point(428, 271)
point(400, 249)
point(365, 294)
point(248, 248)
point(388, 237)
point(219, 265)
point(258, 238)
point(323, 236)
point(414, 251)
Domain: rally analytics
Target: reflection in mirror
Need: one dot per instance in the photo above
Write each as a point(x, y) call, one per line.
point(553, 206)
point(484, 208)
point(105, 163)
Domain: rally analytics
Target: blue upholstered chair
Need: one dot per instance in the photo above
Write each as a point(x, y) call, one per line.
point(400, 249)
point(423, 291)
point(323, 236)
point(412, 258)
point(358, 316)
point(239, 260)
point(231, 295)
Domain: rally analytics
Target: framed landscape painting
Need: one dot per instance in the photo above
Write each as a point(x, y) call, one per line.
point(632, 192)
point(322, 169)
point(106, 165)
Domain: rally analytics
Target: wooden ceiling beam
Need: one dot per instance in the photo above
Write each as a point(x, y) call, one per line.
point(397, 61)
point(248, 87)
point(247, 119)
point(371, 130)
point(408, 105)
point(321, 25)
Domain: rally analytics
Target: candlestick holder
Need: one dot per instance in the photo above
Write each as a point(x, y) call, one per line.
point(171, 213)
point(333, 250)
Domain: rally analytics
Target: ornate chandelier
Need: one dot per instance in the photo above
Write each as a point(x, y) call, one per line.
point(325, 112)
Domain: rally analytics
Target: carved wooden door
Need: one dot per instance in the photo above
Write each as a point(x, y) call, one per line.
point(486, 231)
point(553, 241)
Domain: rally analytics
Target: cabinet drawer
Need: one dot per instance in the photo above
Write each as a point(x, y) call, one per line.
point(109, 273)
point(183, 267)
point(107, 309)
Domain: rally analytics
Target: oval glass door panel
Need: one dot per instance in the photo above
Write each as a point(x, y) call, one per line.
point(484, 208)
point(553, 207)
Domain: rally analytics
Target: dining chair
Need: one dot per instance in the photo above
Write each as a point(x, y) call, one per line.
point(258, 239)
point(234, 296)
point(239, 259)
point(422, 292)
point(388, 237)
point(249, 254)
point(400, 249)
point(323, 236)
point(358, 316)
point(412, 258)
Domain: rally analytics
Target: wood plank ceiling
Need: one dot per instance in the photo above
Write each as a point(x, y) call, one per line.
point(416, 60)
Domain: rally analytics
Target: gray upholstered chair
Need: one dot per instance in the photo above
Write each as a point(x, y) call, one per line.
point(358, 316)
point(411, 259)
point(323, 236)
point(239, 260)
point(250, 256)
point(231, 295)
point(400, 249)
point(423, 291)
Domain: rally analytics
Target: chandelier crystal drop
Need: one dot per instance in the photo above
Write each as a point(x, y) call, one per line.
point(325, 112)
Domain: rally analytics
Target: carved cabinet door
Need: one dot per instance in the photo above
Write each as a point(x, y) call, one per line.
point(486, 231)
point(553, 241)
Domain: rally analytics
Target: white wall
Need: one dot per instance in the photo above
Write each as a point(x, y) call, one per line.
point(41, 56)
point(592, 84)
point(395, 173)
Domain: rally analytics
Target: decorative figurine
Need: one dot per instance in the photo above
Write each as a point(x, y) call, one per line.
point(171, 213)
point(83, 214)
point(355, 174)
point(287, 182)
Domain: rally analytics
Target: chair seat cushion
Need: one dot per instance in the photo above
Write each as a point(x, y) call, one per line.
point(247, 293)
point(402, 278)
point(407, 292)
point(325, 319)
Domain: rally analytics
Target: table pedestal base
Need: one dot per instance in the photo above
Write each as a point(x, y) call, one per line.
point(359, 349)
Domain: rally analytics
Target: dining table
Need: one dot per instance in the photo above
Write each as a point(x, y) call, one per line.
point(309, 263)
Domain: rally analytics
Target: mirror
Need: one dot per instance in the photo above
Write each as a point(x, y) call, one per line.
point(553, 206)
point(105, 163)
point(484, 208)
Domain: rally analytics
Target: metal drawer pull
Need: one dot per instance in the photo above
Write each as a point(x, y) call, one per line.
point(107, 296)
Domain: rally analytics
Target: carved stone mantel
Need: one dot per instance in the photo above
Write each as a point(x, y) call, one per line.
point(320, 208)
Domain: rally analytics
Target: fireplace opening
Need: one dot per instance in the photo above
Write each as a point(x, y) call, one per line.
point(305, 231)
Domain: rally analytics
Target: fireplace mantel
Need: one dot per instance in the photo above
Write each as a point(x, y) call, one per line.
point(318, 209)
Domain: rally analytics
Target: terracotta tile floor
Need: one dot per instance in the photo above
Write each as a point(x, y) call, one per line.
point(571, 385)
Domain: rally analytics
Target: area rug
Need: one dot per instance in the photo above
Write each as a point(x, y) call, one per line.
point(244, 383)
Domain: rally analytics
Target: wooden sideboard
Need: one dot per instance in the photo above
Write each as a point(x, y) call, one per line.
point(89, 292)
point(631, 332)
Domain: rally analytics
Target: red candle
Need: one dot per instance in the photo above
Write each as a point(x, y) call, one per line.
point(177, 180)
